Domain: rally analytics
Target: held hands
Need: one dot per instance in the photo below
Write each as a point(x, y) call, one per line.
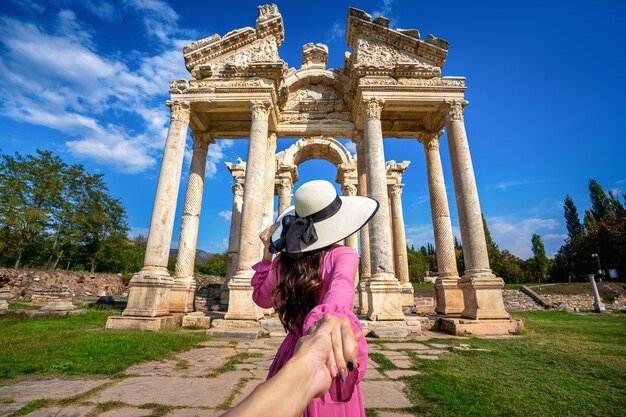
point(265, 238)
point(329, 351)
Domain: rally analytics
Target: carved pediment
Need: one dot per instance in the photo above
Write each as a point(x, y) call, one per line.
point(375, 53)
point(209, 57)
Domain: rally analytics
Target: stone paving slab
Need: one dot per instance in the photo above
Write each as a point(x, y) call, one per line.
point(61, 412)
point(371, 364)
point(195, 412)
point(439, 346)
point(372, 373)
point(398, 373)
point(127, 412)
point(48, 389)
point(250, 386)
point(406, 346)
point(384, 394)
point(7, 409)
point(189, 392)
point(428, 357)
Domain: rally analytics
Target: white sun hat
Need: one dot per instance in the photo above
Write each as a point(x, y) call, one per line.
point(319, 218)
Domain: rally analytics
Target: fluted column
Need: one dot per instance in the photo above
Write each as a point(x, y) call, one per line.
point(268, 184)
point(449, 295)
point(399, 244)
point(284, 191)
point(233, 239)
point(351, 241)
point(482, 290)
point(150, 287)
point(384, 294)
point(240, 305)
point(364, 236)
point(182, 294)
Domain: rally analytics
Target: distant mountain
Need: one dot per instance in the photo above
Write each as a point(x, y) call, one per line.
point(202, 257)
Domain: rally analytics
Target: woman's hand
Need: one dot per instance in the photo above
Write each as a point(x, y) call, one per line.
point(265, 238)
point(328, 351)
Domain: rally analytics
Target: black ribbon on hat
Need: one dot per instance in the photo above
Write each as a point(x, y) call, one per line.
point(298, 229)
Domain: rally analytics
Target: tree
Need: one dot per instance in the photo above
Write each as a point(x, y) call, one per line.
point(600, 204)
point(488, 238)
point(540, 259)
point(572, 221)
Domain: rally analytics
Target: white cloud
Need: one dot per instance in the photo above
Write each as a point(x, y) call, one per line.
point(336, 32)
point(505, 185)
point(515, 235)
point(56, 78)
point(554, 236)
point(385, 9)
point(225, 214)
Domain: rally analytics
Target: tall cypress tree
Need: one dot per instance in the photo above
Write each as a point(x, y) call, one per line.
point(488, 238)
point(540, 258)
point(572, 221)
point(600, 204)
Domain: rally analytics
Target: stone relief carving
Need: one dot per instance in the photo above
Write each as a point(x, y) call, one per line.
point(312, 92)
point(260, 109)
point(372, 108)
point(373, 52)
point(262, 50)
point(348, 189)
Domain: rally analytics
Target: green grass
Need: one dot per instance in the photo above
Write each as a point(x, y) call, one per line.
point(565, 365)
point(79, 345)
point(229, 365)
point(29, 408)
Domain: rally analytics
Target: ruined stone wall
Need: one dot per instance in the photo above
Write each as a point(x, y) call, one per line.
point(22, 282)
point(515, 300)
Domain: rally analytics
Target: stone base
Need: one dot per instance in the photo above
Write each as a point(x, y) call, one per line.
point(482, 296)
point(449, 296)
point(182, 295)
point(464, 327)
point(407, 294)
point(141, 323)
point(384, 298)
point(363, 297)
point(196, 320)
point(240, 304)
point(58, 306)
point(148, 295)
point(236, 333)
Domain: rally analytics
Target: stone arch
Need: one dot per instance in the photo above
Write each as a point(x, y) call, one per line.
point(328, 84)
point(327, 149)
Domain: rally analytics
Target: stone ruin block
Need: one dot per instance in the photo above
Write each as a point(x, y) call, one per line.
point(4, 299)
point(57, 300)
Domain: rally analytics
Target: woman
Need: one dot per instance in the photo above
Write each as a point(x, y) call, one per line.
point(313, 275)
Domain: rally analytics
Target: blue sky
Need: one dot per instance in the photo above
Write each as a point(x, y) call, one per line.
point(89, 79)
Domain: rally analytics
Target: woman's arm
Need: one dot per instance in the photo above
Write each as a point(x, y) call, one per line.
point(304, 376)
point(264, 279)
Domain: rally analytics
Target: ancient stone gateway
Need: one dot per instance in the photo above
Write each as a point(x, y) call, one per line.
point(390, 86)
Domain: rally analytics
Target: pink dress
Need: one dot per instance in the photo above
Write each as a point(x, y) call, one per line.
point(336, 296)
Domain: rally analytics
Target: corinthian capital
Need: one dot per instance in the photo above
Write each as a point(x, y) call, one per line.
point(201, 140)
point(455, 109)
point(395, 190)
point(260, 109)
point(348, 189)
point(372, 108)
point(179, 110)
point(430, 140)
point(284, 189)
point(237, 189)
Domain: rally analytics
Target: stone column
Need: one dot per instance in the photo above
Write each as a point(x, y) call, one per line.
point(268, 184)
point(233, 238)
point(352, 240)
point(449, 295)
point(182, 294)
point(284, 191)
point(150, 287)
point(364, 237)
point(240, 305)
point(399, 245)
point(384, 292)
point(482, 290)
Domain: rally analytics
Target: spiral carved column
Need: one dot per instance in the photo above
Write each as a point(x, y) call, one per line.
point(364, 236)
point(384, 292)
point(482, 290)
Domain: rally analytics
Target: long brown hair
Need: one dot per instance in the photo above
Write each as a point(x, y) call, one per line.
point(294, 296)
